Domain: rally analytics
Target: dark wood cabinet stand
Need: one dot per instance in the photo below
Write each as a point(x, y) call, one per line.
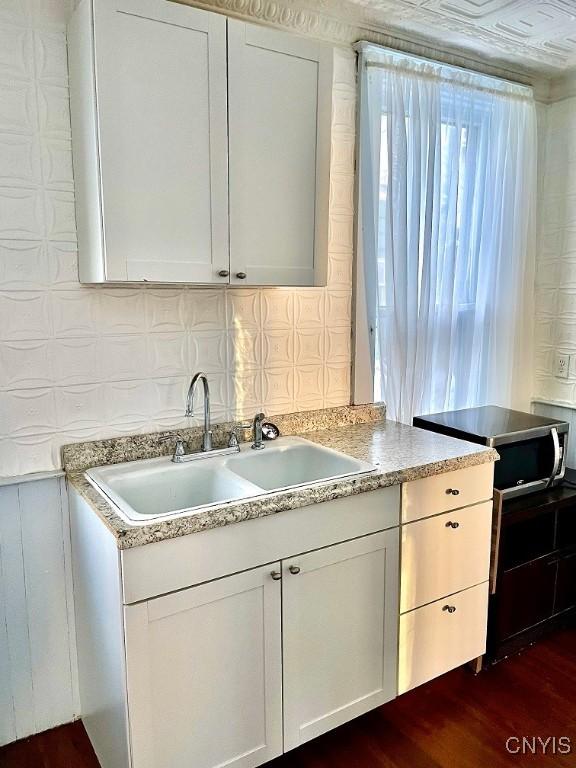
point(533, 581)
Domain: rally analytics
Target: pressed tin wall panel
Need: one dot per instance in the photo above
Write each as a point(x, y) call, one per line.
point(80, 363)
point(555, 328)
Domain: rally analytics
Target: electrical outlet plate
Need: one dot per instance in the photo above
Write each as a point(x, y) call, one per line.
point(562, 365)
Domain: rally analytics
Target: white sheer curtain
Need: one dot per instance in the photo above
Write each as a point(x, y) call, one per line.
point(447, 198)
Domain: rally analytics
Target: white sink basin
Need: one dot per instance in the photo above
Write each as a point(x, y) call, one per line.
point(157, 488)
point(290, 463)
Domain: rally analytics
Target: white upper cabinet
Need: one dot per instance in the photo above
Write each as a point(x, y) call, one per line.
point(150, 83)
point(148, 95)
point(279, 92)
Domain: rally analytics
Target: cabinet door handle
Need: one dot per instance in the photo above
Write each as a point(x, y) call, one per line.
point(449, 608)
point(450, 524)
point(276, 575)
point(452, 492)
point(294, 570)
point(241, 275)
point(223, 273)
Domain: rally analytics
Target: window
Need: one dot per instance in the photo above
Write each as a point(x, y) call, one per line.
point(447, 175)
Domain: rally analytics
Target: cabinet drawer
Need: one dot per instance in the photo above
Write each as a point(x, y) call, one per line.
point(450, 490)
point(434, 640)
point(445, 554)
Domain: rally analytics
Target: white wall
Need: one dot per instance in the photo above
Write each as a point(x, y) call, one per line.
point(78, 363)
point(38, 678)
point(81, 363)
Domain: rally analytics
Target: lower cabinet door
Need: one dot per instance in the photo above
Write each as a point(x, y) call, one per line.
point(204, 674)
point(340, 614)
point(441, 636)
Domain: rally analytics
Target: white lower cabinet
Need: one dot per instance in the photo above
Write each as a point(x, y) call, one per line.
point(204, 674)
point(197, 668)
point(226, 647)
point(444, 574)
point(441, 636)
point(214, 670)
point(340, 612)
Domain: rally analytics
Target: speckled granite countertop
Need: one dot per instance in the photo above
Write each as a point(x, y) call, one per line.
point(398, 452)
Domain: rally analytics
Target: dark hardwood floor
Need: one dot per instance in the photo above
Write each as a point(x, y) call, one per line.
point(457, 721)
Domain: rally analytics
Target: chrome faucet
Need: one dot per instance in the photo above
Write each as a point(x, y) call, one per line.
point(207, 436)
point(180, 456)
point(258, 443)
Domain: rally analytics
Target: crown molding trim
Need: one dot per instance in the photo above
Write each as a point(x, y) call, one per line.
point(342, 26)
point(562, 88)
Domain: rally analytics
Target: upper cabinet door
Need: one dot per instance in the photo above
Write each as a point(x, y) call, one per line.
point(158, 74)
point(279, 100)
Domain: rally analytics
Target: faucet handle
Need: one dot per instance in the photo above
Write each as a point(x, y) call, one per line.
point(233, 436)
point(179, 448)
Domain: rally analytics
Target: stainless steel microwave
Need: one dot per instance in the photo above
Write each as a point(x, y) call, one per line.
point(532, 448)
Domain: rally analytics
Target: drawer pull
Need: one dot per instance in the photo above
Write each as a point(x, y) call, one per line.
point(276, 575)
point(449, 608)
point(452, 492)
point(294, 570)
point(450, 524)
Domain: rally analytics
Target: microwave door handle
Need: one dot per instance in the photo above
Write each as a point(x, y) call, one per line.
point(557, 456)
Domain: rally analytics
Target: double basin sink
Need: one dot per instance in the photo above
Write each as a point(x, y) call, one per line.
point(151, 489)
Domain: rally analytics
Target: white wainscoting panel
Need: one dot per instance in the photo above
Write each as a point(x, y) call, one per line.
point(38, 673)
